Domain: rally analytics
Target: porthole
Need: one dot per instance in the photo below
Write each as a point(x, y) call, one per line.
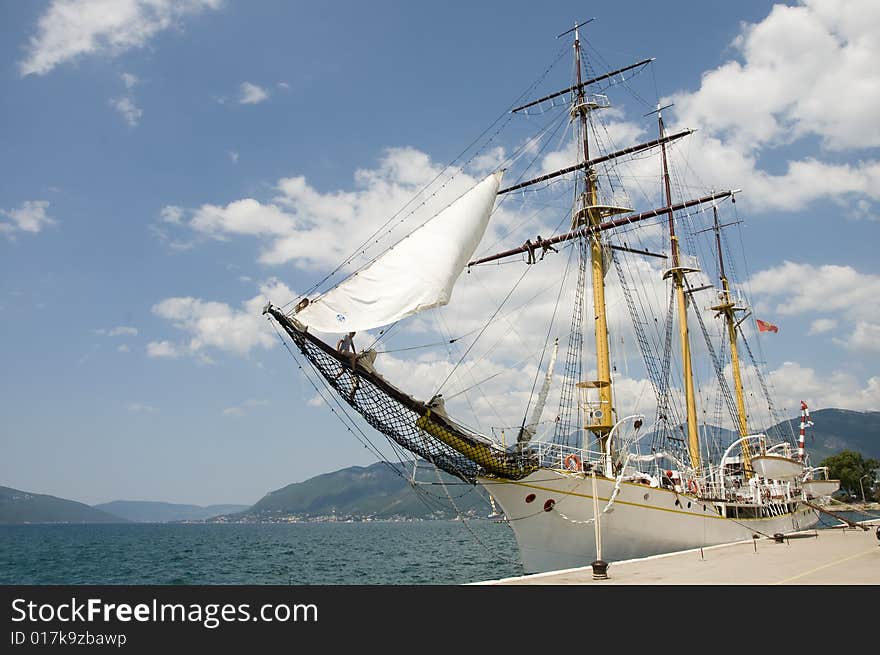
point(549, 505)
point(530, 498)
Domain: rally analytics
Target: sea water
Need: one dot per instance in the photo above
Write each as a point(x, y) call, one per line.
point(369, 553)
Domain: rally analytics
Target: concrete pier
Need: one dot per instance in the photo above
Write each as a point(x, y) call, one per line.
point(839, 556)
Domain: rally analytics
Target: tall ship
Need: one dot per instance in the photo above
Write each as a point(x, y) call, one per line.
point(602, 386)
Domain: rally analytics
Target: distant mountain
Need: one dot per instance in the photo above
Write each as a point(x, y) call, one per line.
point(835, 430)
point(24, 507)
point(145, 511)
point(376, 491)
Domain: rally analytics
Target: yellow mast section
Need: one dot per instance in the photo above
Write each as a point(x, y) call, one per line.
point(678, 272)
point(599, 420)
point(727, 308)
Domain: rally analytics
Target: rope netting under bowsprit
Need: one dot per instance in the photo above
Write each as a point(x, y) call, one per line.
point(409, 422)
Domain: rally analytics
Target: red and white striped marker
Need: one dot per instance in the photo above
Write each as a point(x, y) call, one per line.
point(805, 421)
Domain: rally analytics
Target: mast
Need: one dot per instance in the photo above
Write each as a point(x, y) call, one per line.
point(598, 412)
point(678, 272)
point(727, 308)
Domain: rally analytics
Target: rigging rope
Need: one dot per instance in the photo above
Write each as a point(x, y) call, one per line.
point(568, 404)
point(719, 372)
point(491, 318)
point(366, 440)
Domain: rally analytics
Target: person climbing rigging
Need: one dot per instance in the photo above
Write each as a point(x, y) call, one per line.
point(346, 346)
point(530, 247)
point(545, 246)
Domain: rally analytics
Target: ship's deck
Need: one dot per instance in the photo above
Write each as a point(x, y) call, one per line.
point(840, 556)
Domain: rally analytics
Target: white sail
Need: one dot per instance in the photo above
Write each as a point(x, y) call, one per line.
point(416, 274)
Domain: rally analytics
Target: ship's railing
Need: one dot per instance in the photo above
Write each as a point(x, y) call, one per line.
point(686, 264)
point(814, 473)
point(733, 297)
point(764, 491)
point(560, 456)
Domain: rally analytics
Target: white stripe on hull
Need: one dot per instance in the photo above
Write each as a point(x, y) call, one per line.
point(643, 520)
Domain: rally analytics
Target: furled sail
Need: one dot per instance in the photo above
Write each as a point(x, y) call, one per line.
point(416, 274)
point(529, 430)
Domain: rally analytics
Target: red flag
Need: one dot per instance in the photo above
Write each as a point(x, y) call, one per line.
point(763, 326)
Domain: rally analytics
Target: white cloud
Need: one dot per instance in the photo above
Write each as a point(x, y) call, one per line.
point(233, 155)
point(311, 228)
point(794, 383)
point(241, 410)
point(29, 217)
point(142, 408)
point(72, 29)
point(822, 325)
point(794, 289)
point(827, 289)
point(123, 348)
point(119, 331)
point(804, 71)
point(251, 94)
point(864, 338)
point(129, 111)
point(129, 80)
point(125, 105)
point(171, 214)
point(807, 69)
point(164, 349)
point(489, 160)
point(216, 326)
point(242, 217)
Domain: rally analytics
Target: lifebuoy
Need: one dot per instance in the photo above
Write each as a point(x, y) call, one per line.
point(692, 487)
point(572, 462)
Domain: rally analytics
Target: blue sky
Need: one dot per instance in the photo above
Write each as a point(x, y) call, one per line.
point(156, 154)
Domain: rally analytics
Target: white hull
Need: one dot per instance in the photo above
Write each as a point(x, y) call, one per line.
point(819, 488)
point(773, 467)
point(642, 521)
